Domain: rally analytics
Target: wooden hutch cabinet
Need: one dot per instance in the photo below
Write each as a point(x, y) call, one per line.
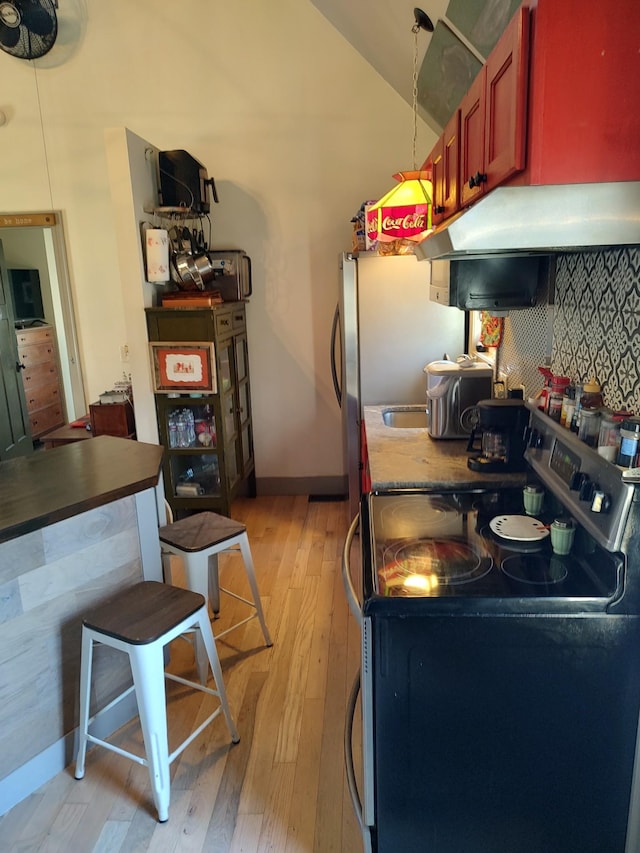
point(208, 437)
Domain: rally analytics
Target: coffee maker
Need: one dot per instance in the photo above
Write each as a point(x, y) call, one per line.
point(502, 426)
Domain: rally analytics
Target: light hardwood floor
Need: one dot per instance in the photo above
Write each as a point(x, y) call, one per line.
point(282, 788)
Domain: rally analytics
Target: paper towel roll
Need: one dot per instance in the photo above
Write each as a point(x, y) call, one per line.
point(157, 243)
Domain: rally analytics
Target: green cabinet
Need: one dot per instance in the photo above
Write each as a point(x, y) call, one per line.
point(208, 438)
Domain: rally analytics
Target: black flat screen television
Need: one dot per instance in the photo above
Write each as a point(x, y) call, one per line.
point(27, 295)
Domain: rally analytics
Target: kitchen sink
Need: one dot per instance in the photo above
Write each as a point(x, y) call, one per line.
point(405, 417)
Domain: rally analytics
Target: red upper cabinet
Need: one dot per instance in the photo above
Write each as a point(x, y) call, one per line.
point(445, 163)
point(506, 90)
point(584, 94)
point(494, 114)
point(472, 170)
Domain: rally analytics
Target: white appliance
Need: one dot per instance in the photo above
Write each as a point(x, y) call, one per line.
point(385, 330)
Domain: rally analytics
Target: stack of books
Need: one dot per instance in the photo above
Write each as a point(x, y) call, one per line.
point(191, 299)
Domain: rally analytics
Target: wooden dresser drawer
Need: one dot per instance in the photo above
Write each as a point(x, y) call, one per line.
point(41, 396)
point(36, 335)
point(239, 319)
point(44, 420)
point(224, 324)
point(38, 375)
point(39, 353)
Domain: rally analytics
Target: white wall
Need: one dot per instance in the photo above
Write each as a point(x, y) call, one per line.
point(294, 126)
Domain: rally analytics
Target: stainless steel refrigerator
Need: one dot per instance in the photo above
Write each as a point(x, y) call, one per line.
point(385, 331)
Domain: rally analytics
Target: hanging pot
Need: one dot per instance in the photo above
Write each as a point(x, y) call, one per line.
point(188, 272)
point(204, 267)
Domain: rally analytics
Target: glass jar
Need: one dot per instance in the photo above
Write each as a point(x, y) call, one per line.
point(609, 435)
point(591, 394)
point(629, 453)
point(589, 426)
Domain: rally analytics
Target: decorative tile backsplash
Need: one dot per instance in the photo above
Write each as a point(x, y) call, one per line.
point(592, 329)
point(597, 320)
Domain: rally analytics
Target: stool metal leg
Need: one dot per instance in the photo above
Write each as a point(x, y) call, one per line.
point(147, 666)
point(196, 568)
point(245, 550)
point(86, 660)
point(214, 661)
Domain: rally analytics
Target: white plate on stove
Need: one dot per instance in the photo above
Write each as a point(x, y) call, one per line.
point(520, 527)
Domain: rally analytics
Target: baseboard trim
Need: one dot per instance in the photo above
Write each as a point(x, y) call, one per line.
point(334, 486)
point(25, 780)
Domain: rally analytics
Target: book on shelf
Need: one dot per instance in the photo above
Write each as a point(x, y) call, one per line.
point(191, 299)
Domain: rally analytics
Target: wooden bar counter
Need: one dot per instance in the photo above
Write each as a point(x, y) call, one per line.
point(77, 523)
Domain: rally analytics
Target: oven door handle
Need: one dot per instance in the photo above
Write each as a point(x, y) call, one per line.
point(349, 764)
point(352, 596)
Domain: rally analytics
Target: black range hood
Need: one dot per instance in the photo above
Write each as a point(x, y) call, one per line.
point(501, 282)
point(542, 218)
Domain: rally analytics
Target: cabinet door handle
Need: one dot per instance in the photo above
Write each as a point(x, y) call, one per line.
point(439, 208)
point(477, 180)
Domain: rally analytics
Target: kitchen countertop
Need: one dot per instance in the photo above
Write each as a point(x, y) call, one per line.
point(410, 458)
point(51, 485)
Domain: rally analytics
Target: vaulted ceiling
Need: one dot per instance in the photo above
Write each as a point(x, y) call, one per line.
point(447, 59)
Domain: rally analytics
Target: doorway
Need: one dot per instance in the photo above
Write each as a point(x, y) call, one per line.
point(30, 244)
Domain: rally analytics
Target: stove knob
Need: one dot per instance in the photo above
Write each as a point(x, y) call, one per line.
point(576, 481)
point(587, 489)
point(601, 502)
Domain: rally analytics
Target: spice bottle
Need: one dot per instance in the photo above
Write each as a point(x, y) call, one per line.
point(629, 453)
point(559, 385)
point(575, 416)
point(568, 406)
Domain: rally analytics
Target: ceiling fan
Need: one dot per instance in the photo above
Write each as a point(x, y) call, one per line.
point(28, 28)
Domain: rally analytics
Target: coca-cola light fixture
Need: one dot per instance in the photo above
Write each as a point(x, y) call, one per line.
point(404, 213)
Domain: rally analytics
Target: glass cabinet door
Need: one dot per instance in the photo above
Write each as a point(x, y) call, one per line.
point(190, 424)
point(194, 476)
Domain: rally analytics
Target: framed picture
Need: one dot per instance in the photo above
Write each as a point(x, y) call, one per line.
point(183, 368)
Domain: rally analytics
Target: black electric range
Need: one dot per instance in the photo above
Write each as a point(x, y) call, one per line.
point(501, 682)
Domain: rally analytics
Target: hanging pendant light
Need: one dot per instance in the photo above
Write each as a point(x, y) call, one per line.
point(404, 213)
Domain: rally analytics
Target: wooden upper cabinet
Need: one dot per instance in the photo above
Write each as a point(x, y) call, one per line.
point(472, 141)
point(494, 112)
point(506, 88)
point(444, 162)
point(435, 161)
point(451, 166)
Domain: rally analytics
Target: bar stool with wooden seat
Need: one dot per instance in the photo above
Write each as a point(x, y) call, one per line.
point(198, 539)
point(140, 621)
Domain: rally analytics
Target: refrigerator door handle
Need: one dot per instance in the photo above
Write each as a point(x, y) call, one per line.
point(352, 596)
point(334, 372)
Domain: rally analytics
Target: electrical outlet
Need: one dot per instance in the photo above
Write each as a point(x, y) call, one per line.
point(124, 353)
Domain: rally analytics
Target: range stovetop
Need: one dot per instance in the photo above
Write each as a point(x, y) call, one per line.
point(440, 547)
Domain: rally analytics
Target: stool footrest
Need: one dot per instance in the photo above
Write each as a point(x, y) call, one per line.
point(185, 743)
point(124, 752)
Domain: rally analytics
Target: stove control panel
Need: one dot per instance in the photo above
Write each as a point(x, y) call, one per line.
point(592, 489)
